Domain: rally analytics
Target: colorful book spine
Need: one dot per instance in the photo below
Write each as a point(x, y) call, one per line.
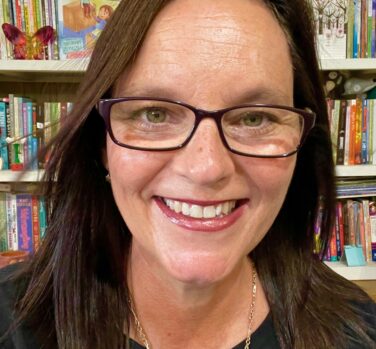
point(24, 222)
point(42, 217)
point(3, 136)
point(3, 223)
point(35, 222)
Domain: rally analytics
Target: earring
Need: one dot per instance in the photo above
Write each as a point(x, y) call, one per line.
point(108, 178)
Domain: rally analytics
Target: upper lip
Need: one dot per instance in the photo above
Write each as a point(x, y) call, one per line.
point(201, 202)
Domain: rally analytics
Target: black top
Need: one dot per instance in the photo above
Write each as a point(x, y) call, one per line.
point(263, 338)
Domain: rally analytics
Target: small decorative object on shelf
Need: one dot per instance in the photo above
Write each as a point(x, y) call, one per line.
point(27, 46)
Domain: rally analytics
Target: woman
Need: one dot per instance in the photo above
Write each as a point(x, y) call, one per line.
point(184, 227)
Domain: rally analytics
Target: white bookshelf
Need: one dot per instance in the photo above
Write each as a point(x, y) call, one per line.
point(43, 71)
point(356, 171)
point(367, 272)
point(19, 176)
point(362, 64)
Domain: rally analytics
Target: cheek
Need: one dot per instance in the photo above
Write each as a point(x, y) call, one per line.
point(132, 171)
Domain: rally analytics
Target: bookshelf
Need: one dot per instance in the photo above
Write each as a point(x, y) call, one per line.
point(367, 272)
point(360, 64)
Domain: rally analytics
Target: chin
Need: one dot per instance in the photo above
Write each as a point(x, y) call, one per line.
point(199, 270)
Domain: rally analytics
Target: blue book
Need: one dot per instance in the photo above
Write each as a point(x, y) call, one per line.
point(29, 128)
point(356, 38)
point(24, 222)
point(3, 136)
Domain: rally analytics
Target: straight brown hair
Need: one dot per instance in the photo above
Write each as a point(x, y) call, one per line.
point(75, 294)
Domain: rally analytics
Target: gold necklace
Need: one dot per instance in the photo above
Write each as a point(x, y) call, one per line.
point(142, 335)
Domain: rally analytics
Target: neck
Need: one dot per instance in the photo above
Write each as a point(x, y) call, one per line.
point(211, 315)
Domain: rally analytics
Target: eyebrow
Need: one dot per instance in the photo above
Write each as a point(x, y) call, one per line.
point(248, 96)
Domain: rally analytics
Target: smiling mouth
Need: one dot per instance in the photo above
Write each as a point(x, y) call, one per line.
point(217, 210)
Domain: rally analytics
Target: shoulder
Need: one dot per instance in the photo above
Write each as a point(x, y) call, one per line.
point(10, 291)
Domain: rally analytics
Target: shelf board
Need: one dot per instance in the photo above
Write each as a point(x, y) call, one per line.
point(367, 272)
point(19, 176)
point(348, 64)
point(44, 71)
point(356, 171)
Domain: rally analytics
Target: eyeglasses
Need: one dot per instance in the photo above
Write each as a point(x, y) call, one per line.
point(159, 124)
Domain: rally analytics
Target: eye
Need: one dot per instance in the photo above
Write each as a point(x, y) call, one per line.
point(155, 115)
point(253, 119)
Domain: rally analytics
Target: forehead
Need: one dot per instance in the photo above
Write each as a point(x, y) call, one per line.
point(200, 47)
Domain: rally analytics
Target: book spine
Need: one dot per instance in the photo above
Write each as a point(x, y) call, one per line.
point(350, 30)
point(333, 246)
point(3, 223)
point(14, 228)
point(362, 232)
point(29, 131)
point(357, 14)
point(24, 222)
point(3, 136)
point(358, 132)
point(369, 29)
point(364, 132)
point(339, 210)
point(40, 132)
point(372, 216)
point(35, 222)
point(10, 220)
point(363, 29)
point(23, 132)
point(367, 230)
point(42, 217)
point(341, 132)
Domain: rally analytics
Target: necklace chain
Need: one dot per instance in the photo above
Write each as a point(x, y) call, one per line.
point(142, 335)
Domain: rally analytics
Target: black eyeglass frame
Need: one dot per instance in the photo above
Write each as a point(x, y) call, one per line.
point(104, 109)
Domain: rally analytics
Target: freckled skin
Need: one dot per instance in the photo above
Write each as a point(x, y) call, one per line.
point(211, 54)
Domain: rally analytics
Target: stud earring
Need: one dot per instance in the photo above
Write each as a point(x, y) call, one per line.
point(108, 178)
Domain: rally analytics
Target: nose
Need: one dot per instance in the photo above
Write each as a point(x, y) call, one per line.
point(205, 160)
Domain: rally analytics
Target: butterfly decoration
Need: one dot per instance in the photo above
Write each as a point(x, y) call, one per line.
point(27, 46)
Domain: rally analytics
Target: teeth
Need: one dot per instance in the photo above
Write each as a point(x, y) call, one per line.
point(197, 211)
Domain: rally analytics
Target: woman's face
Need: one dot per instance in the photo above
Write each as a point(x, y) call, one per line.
point(211, 54)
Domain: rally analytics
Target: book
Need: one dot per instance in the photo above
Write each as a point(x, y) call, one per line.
point(331, 32)
point(80, 24)
point(3, 136)
point(3, 223)
point(372, 216)
point(24, 222)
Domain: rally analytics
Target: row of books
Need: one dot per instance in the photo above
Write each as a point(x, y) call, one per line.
point(25, 126)
point(355, 225)
point(22, 221)
point(353, 130)
point(350, 187)
point(345, 28)
point(76, 24)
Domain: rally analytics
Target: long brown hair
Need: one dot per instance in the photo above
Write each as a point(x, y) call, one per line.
point(75, 292)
